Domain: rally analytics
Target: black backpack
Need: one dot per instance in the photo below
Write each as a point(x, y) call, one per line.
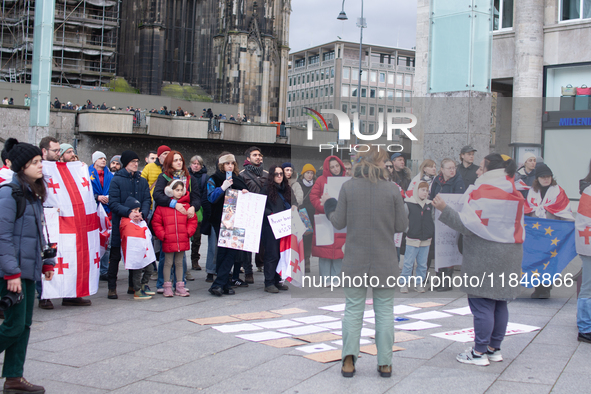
point(19, 197)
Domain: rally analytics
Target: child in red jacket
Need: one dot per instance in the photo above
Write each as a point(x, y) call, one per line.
point(174, 230)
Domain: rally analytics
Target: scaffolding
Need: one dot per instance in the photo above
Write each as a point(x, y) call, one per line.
point(84, 43)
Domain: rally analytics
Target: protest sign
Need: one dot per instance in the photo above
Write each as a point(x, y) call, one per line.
point(242, 219)
point(446, 239)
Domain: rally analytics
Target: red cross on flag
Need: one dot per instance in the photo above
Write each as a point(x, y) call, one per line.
point(79, 238)
point(583, 224)
point(291, 266)
point(555, 202)
point(105, 229)
point(493, 208)
point(5, 175)
point(136, 244)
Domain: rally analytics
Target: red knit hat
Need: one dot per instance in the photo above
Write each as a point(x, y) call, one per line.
point(162, 149)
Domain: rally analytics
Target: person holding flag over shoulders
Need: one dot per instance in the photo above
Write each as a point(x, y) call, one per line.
point(583, 245)
point(492, 224)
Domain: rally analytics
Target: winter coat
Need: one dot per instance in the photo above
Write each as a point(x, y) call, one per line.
point(468, 174)
point(201, 177)
point(151, 172)
point(215, 195)
point(162, 200)
point(255, 183)
point(420, 217)
point(302, 194)
point(372, 212)
point(273, 207)
point(173, 228)
point(402, 178)
point(97, 188)
point(20, 240)
point(124, 185)
point(334, 251)
point(525, 177)
point(482, 258)
point(454, 185)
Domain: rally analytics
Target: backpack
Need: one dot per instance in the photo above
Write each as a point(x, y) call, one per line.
point(19, 197)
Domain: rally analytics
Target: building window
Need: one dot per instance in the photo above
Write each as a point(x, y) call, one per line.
point(344, 108)
point(390, 95)
point(398, 109)
point(407, 80)
point(362, 109)
point(316, 92)
point(289, 81)
point(318, 75)
point(370, 127)
point(353, 108)
point(346, 72)
point(398, 95)
point(331, 91)
point(372, 111)
point(398, 79)
point(322, 75)
point(300, 63)
point(389, 110)
point(382, 93)
point(314, 59)
point(372, 93)
point(354, 74)
point(353, 92)
point(289, 113)
point(373, 76)
point(328, 56)
point(326, 91)
point(503, 14)
point(407, 97)
point(380, 110)
point(332, 72)
point(390, 79)
point(306, 94)
point(289, 98)
point(382, 77)
point(364, 76)
point(345, 91)
point(363, 92)
point(299, 80)
point(321, 92)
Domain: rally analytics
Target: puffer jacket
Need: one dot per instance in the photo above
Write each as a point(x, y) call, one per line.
point(173, 228)
point(454, 185)
point(125, 185)
point(151, 172)
point(20, 240)
point(334, 251)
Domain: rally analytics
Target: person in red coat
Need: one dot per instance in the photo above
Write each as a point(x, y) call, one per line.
point(175, 231)
point(330, 257)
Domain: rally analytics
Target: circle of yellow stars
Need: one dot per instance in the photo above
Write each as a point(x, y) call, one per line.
point(548, 231)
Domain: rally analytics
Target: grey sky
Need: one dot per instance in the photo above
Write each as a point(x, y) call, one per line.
point(314, 22)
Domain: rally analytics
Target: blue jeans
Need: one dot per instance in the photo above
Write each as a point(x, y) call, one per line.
point(490, 322)
point(419, 254)
point(329, 268)
point(104, 267)
point(584, 301)
point(173, 278)
point(212, 249)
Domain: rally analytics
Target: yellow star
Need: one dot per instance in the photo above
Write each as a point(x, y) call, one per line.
point(535, 272)
point(546, 265)
point(555, 241)
point(536, 226)
point(522, 273)
point(548, 231)
point(554, 253)
point(92, 177)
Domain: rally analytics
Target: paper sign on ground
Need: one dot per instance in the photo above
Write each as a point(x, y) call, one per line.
point(365, 332)
point(263, 336)
point(335, 325)
point(281, 223)
point(283, 342)
point(334, 185)
point(404, 309)
point(446, 239)
point(256, 316)
point(416, 326)
point(427, 304)
point(325, 357)
point(361, 342)
point(303, 330)
point(460, 311)
point(321, 347)
point(405, 336)
point(228, 328)
point(52, 220)
point(429, 315)
point(204, 321)
point(274, 324)
point(334, 308)
point(373, 349)
point(369, 313)
point(370, 320)
point(288, 311)
point(320, 337)
point(242, 219)
point(467, 334)
point(315, 319)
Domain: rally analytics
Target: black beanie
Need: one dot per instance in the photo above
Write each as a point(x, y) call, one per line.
point(127, 156)
point(21, 153)
point(543, 170)
point(7, 147)
point(132, 203)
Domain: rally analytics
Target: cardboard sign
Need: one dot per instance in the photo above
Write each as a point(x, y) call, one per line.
point(446, 239)
point(280, 223)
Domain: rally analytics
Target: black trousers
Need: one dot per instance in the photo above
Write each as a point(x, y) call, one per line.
point(225, 260)
point(272, 254)
point(114, 260)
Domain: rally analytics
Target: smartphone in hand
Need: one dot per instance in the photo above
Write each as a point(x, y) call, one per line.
point(228, 175)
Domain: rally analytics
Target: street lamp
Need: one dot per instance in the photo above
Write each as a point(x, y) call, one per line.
point(360, 24)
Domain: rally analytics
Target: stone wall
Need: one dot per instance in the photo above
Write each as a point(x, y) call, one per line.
point(14, 122)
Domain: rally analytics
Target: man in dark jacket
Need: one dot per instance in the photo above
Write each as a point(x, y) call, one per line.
point(127, 182)
point(401, 174)
point(198, 170)
point(467, 169)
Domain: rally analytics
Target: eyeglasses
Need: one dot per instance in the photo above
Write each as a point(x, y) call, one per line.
point(278, 174)
point(54, 150)
point(389, 167)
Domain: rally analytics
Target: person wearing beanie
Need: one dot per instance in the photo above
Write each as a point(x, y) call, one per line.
point(401, 174)
point(547, 200)
point(5, 172)
point(527, 173)
point(301, 190)
point(21, 262)
point(67, 153)
point(153, 170)
point(126, 183)
point(115, 164)
point(290, 174)
point(97, 155)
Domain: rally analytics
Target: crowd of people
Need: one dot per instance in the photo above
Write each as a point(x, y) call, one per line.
point(177, 200)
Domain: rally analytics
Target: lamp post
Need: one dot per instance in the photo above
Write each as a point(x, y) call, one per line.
point(360, 24)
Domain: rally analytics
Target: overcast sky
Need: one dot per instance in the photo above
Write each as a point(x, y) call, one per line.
point(389, 22)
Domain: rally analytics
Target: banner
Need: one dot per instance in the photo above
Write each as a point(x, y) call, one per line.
point(242, 220)
point(281, 223)
point(78, 250)
point(446, 239)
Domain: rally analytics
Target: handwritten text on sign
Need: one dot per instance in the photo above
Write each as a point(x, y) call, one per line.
point(281, 223)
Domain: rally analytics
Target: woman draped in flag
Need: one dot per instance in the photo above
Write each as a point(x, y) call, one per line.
point(491, 222)
point(302, 190)
point(22, 260)
point(372, 209)
point(583, 231)
point(546, 200)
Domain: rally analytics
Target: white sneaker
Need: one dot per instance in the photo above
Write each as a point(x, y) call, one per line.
point(495, 355)
point(420, 289)
point(469, 357)
point(404, 289)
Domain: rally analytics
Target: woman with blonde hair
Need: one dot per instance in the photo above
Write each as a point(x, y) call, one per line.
point(372, 209)
point(427, 173)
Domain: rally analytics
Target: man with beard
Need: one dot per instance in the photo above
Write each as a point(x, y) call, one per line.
point(115, 164)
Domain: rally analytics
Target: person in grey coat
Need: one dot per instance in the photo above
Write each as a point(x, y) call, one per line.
point(482, 257)
point(21, 261)
point(372, 209)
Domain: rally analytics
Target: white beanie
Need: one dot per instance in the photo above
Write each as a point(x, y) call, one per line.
point(527, 156)
point(98, 155)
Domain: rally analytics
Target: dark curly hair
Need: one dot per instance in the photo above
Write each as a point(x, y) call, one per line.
point(272, 186)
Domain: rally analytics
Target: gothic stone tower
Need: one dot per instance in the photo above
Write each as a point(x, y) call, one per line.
point(251, 51)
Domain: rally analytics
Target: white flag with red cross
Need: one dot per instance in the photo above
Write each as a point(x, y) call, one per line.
point(104, 228)
point(291, 266)
point(76, 273)
point(583, 224)
point(5, 175)
point(136, 244)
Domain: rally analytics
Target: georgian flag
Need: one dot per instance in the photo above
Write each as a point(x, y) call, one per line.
point(555, 201)
point(493, 208)
point(291, 266)
point(413, 183)
point(583, 224)
point(5, 175)
point(520, 185)
point(105, 229)
point(136, 244)
point(76, 273)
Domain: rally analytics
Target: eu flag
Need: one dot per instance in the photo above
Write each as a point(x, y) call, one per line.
point(548, 248)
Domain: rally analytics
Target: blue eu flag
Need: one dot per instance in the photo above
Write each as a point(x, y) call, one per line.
point(548, 248)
